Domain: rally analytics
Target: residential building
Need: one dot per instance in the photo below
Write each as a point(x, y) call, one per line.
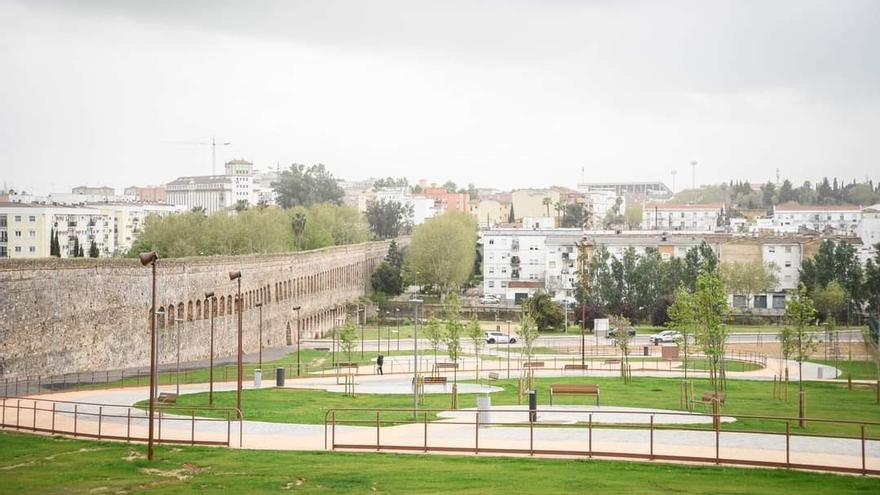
point(447, 201)
point(643, 189)
point(129, 220)
point(601, 202)
point(869, 226)
point(490, 212)
point(673, 217)
point(836, 219)
point(26, 230)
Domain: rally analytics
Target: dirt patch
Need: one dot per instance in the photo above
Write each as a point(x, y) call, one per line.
point(182, 474)
point(293, 484)
point(134, 455)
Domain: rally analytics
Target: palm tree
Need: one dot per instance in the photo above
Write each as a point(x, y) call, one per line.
point(547, 202)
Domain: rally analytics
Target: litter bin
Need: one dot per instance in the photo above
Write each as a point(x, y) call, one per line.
point(279, 376)
point(819, 372)
point(646, 351)
point(258, 378)
point(484, 405)
point(533, 405)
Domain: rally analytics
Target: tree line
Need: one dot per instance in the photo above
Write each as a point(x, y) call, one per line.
point(742, 195)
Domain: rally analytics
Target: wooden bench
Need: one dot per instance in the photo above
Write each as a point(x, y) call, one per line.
point(493, 375)
point(434, 380)
point(450, 366)
point(574, 389)
point(709, 397)
point(533, 364)
point(325, 349)
point(581, 367)
point(167, 398)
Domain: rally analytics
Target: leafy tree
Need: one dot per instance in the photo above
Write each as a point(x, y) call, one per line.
point(800, 312)
point(442, 251)
point(836, 261)
point(871, 339)
point(633, 216)
point(871, 287)
point(301, 186)
point(547, 202)
point(389, 219)
point(394, 256)
point(390, 182)
point(452, 336)
point(710, 307)
point(575, 215)
point(748, 278)
point(449, 186)
point(829, 300)
point(683, 319)
point(386, 279)
point(241, 205)
point(697, 260)
point(93, 250)
point(546, 313)
point(54, 245)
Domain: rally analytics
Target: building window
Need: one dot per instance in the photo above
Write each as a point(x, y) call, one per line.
point(788, 264)
point(17, 249)
point(17, 233)
point(771, 249)
point(778, 301)
point(34, 219)
point(761, 302)
point(491, 284)
point(17, 218)
point(32, 249)
point(788, 249)
point(32, 234)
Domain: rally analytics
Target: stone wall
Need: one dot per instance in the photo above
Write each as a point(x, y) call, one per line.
point(68, 315)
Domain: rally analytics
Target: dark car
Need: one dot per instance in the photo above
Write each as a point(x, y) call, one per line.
point(612, 332)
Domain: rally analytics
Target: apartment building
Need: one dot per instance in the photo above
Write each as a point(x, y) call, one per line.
point(213, 193)
point(837, 219)
point(674, 217)
point(26, 230)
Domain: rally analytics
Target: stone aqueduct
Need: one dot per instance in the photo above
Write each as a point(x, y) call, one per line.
point(70, 315)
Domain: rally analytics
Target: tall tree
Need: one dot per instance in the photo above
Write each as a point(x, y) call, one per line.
point(93, 250)
point(301, 186)
point(546, 313)
point(748, 278)
point(442, 251)
point(682, 318)
point(710, 308)
point(389, 219)
point(394, 256)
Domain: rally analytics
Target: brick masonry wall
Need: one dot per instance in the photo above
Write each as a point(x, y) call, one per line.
point(69, 315)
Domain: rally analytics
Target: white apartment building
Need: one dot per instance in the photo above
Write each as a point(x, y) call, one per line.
point(26, 230)
point(212, 192)
point(869, 226)
point(129, 219)
point(842, 219)
point(643, 189)
point(423, 207)
point(601, 202)
point(673, 217)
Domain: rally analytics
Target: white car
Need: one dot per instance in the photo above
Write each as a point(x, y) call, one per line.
point(665, 336)
point(499, 338)
point(489, 300)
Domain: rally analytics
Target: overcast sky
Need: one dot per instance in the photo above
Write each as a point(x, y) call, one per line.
point(504, 94)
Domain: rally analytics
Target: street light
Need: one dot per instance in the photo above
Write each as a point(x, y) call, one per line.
point(416, 355)
point(209, 298)
point(237, 277)
point(260, 305)
point(177, 338)
point(297, 308)
point(151, 258)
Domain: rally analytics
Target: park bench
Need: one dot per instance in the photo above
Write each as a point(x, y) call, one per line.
point(610, 362)
point(347, 367)
point(324, 349)
point(167, 398)
point(709, 397)
point(493, 376)
point(533, 364)
point(434, 380)
point(574, 389)
point(580, 367)
point(444, 366)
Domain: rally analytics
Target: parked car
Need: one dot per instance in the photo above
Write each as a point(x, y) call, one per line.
point(489, 300)
point(499, 338)
point(665, 336)
point(612, 332)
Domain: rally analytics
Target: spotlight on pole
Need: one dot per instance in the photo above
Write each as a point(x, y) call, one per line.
point(149, 259)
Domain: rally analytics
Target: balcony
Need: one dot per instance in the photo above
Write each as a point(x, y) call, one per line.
point(514, 261)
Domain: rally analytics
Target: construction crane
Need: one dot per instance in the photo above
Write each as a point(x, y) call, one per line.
point(212, 143)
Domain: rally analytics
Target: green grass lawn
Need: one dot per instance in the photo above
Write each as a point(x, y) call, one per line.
point(45, 465)
point(860, 370)
point(744, 397)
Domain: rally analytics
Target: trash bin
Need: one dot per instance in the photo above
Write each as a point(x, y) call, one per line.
point(484, 405)
point(819, 373)
point(646, 351)
point(279, 376)
point(533, 405)
point(258, 378)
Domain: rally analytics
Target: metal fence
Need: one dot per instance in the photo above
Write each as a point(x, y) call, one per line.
point(114, 422)
point(475, 431)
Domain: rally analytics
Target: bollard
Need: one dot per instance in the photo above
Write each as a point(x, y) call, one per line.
point(533, 405)
point(279, 376)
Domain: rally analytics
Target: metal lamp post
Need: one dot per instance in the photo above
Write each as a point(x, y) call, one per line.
point(397, 314)
point(416, 357)
point(237, 277)
point(151, 258)
point(298, 343)
point(260, 305)
point(177, 372)
point(209, 298)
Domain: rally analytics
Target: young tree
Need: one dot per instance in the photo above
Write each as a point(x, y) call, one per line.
point(801, 313)
point(433, 331)
point(475, 333)
point(442, 252)
point(622, 340)
point(454, 331)
point(528, 334)
point(710, 307)
point(829, 300)
point(348, 338)
point(682, 319)
point(93, 250)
